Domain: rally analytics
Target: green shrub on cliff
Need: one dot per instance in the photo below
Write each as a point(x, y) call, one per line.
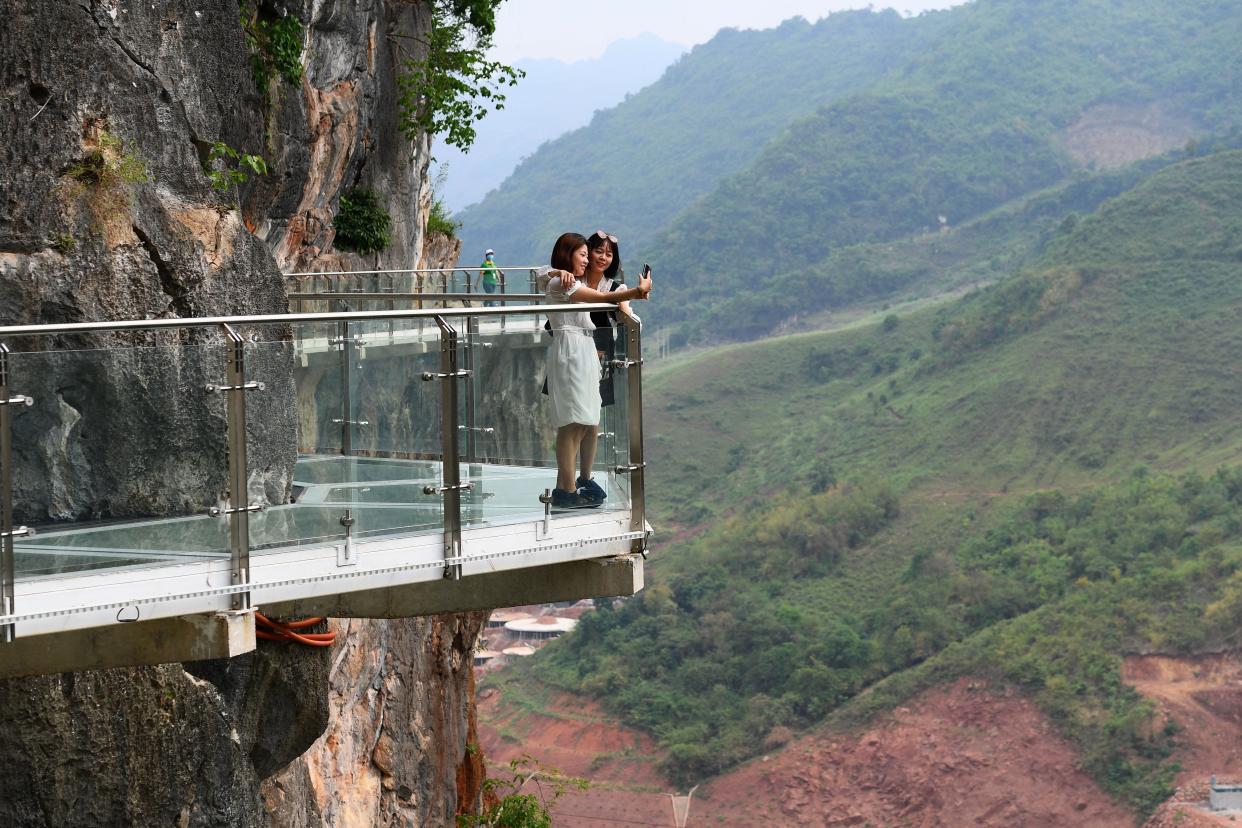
point(439, 220)
point(225, 167)
point(362, 224)
point(275, 45)
point(105, 178)
point(507, 806)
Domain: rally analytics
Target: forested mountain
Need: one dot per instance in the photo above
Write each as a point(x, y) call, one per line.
point(1007, 97)
point(638, 164)
point(552, 99)
point(1020, 484)
point(768, 173)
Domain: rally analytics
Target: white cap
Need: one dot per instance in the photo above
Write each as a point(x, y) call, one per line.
point(488, 252)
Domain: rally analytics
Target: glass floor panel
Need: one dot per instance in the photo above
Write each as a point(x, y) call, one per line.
point(384, 496)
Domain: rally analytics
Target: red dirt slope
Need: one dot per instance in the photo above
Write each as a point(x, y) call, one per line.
point(1204, 696)
point(577, 739)
point(959, 755)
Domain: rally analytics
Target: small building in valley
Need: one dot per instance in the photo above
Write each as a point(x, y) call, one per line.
point(1225, 797)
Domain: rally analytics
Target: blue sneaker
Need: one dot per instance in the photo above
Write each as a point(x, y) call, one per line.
point(591, 490)
point(562, 499)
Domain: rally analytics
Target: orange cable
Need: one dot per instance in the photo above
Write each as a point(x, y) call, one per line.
point(270, 630)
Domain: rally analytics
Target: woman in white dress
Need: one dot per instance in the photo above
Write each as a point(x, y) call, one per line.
point(573, 367)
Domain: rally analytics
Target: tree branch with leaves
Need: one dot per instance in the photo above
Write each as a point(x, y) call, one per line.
point(455, 85)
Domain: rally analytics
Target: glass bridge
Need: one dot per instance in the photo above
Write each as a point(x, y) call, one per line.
point(349, 462)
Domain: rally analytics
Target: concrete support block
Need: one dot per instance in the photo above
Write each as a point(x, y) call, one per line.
point(574, 580)
point(164, 641)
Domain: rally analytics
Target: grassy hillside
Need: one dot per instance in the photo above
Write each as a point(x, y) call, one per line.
point(964, 489)
point(1042, 380)
point(637, 164)
point(972, 120)
point(975, 253)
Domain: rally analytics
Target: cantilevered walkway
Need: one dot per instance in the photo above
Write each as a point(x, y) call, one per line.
point(350, 463)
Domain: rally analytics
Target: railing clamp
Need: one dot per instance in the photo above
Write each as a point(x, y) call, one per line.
point(356, 341)
point(247, 386)
point(351, 422)
point(631, 467)
point(624, 363)
point(216, 511)
point(546, 500)
point(345, 555)
point(460, 487)
point(18, 399)
point(428, 376)
point(604, 435)
point(18, 532)
point(480, 429)
point(644, 547)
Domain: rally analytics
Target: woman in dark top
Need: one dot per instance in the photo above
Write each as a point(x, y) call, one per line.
point(573, 364)
point(604, 275)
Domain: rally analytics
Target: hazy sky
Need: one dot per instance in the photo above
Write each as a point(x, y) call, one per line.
point(572, 30)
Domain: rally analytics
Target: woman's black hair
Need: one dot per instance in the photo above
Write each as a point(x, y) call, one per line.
point(563, 250)
point(595, 242)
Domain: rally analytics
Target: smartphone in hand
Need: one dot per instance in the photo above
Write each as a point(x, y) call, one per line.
point(646, 270)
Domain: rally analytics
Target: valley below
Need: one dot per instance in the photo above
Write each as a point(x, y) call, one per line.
point(970, 752)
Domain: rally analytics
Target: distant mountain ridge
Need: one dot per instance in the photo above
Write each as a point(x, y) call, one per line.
point(552, 99)
point(978, 117)
point(864, 129)
point(638, 164)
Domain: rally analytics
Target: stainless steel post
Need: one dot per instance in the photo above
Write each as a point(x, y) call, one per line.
point(8, 568)
point(472, 426)
point(637, 465)
point(344, 342)
point(239, 494)
point(451, 486)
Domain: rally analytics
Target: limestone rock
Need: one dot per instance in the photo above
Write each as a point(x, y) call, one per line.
point(111, 108)
point(397, 747)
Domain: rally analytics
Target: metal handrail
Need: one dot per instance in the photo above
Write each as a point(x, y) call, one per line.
point(304, 274)
point(432, 297)
point(277, 318)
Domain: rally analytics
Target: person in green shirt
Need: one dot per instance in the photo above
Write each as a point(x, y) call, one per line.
point(490, 277)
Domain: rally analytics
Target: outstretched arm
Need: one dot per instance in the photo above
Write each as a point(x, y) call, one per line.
point(579, 292)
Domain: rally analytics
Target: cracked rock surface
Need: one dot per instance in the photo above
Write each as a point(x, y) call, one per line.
point(109, 110)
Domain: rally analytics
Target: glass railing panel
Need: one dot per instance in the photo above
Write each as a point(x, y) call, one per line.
point(506, 437)
point(121, 457)
point(614, 433)
point(363, 442)
point(320, 379)
point(509, 430)
point(396, 413)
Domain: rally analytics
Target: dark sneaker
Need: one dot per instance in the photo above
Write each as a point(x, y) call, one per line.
point(591, 490)
point(562, 499)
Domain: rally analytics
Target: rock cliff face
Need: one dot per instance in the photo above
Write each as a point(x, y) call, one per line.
point(152, 746)
point(398, 750)
point(111, 108)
